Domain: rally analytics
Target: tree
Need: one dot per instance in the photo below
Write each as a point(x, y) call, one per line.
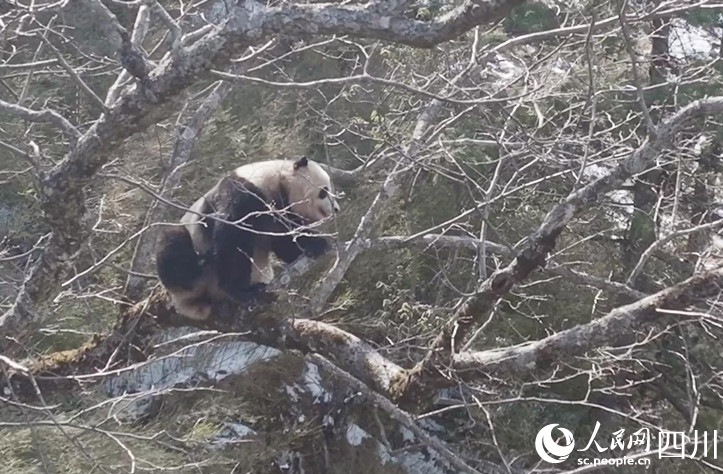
point(455, 138)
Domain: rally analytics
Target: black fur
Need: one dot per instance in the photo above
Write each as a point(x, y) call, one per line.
point(243, 203)
point(301, 162)
point(177, 263)
point(288, 248)
point(239, 201)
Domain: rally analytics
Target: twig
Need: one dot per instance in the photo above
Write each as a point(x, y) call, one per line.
point(45, 115)
point(635, 273)
point(74, 74)
point(365, 79)
point(140, 28)
point(634, 67)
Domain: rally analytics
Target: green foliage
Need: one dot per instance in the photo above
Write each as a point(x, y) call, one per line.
point(705, 18)
point(530, 17)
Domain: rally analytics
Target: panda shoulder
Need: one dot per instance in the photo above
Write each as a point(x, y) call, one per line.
point(263, 171)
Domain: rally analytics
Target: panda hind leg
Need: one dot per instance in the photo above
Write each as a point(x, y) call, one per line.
point(314, 246)
point(257, 293)
point(177, 263)
point(183, 275)
point(193, 306)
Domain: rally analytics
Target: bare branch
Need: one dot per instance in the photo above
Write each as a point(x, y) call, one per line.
point(140, 28)
point(250, 22)
point(304, 19)
point(635, 273)
point(397, 414)
point(44, 116)
point(131, 54)
point(361, 79)
point(31, 65)
point(634, 67)
point(172, 25)
point(605, 331)
point(534, 253)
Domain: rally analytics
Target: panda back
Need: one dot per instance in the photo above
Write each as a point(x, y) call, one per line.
point(267, 176)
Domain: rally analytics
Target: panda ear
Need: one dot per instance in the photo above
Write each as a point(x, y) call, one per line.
point(301, 162)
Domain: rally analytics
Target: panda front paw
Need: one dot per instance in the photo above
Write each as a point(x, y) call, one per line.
point(315, 247)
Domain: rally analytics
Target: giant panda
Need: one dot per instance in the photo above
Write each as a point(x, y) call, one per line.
point(203, 260)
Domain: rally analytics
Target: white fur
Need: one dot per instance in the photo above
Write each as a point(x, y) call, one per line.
point(302, 185)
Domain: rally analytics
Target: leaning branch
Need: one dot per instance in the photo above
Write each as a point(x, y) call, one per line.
point(538, 245)
point(62, 195)
point(140, 28)
point(188, 134)
point(397, 415)
point(44, 116)
point(635, 273)
point(607, 331)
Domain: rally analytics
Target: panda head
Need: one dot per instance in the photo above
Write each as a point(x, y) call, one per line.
point(310, 191)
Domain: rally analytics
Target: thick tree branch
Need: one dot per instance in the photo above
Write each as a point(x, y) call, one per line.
point(367, 22)
point(607, 331)
point(397, 414)
point(542, 241)
point(62, 194)
point(262, 325)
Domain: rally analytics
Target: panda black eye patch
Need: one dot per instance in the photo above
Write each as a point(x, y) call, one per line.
point(323, 193)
